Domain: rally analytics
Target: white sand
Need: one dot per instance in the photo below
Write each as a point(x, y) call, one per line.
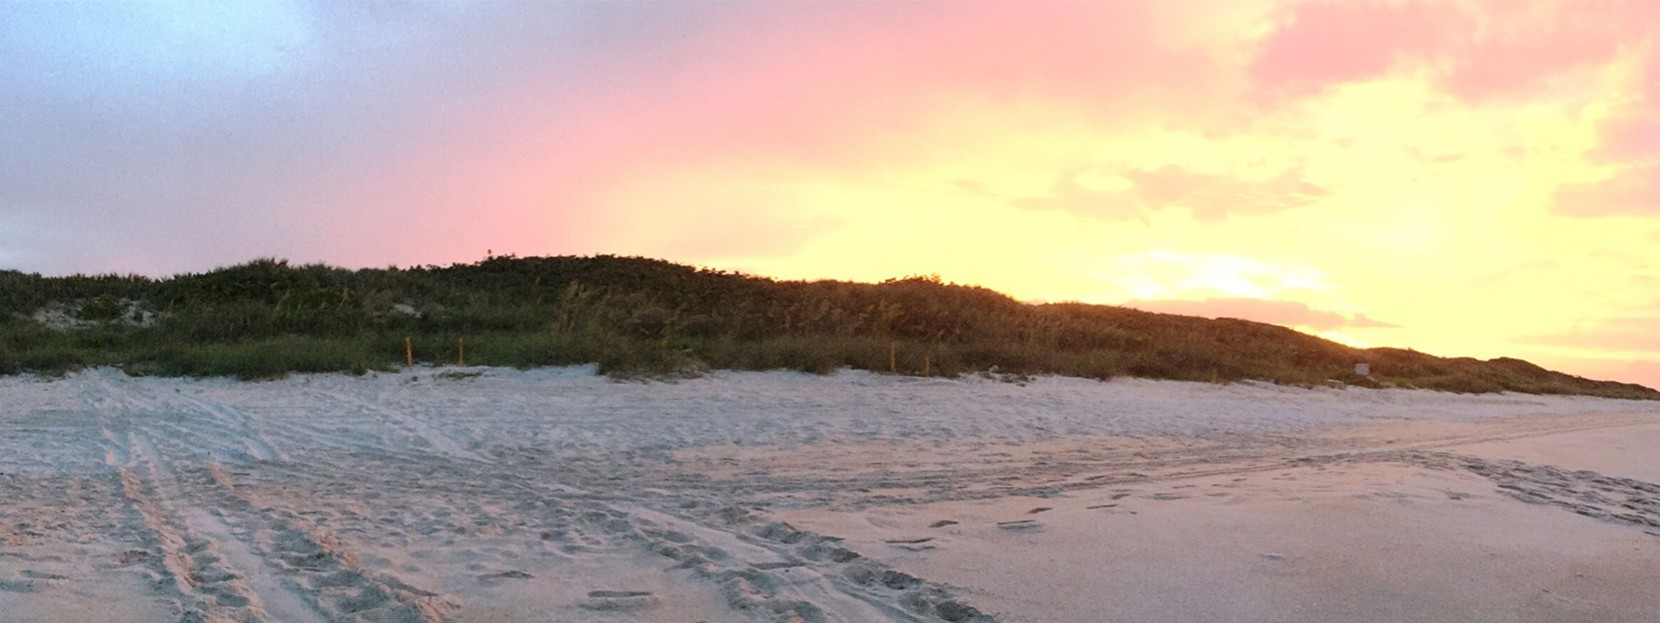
point(554, 495)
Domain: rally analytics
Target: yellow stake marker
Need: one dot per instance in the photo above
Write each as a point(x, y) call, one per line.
point(408, 352)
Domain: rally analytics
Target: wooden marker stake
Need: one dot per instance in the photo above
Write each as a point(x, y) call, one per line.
point(926, 360)
point(461, 351)
point(408, 352)
point(893, 368)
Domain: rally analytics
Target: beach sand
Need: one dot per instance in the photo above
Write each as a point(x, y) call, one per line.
point(489, 495)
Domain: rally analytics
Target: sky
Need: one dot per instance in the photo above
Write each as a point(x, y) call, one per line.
point(1463, 178)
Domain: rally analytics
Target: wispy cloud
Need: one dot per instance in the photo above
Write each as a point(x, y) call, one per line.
point(1288, 313)
point(1134, 193)
point(1623, 334)
point(1472, 50)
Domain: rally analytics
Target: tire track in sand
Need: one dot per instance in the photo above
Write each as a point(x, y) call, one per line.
point(186, 561)
point(317, 565)
point(423, 435)
point(216, 555)
point(295, 563)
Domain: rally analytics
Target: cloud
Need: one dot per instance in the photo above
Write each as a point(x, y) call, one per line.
point(1482, 281)
point(1118, 194)
point(1628, 145)
point(1159, 275)
point(1474, 51)
point(1633, 191)
point(1511, 48)
point(1286, 313)
point(1627, 334)
point(1213, 197)
point(1315, 44)
point(1082, 192)
point(1642, 371)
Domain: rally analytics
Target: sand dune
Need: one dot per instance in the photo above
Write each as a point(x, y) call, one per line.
point(554, 495)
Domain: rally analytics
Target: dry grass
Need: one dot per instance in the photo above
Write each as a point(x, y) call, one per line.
point(639, 317)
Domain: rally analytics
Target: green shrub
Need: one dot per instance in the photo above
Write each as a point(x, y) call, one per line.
point(102, 308)
point(642, 318)
point(51, 361)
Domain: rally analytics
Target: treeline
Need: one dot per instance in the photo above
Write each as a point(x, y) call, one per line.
point(635, 316)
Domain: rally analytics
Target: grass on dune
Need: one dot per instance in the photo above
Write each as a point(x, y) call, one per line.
point(637, 317)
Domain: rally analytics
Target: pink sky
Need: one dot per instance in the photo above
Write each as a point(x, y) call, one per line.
point(1471, 178)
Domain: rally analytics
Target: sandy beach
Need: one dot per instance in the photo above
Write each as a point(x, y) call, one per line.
point(496, 495)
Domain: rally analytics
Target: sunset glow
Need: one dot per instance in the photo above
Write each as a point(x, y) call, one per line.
point(1463, 178)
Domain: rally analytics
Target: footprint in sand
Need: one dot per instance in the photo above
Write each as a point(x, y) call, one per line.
point(918, 544)
point(132, 557)
point(1023, 525)
point(511, 574)
point(619, 601)
point(923, 539)
point(16, 586)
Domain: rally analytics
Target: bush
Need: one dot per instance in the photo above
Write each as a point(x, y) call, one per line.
point(51, 361)
point(642, 318)
point(102, 308)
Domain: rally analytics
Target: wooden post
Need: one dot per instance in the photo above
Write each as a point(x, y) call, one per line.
point(893, 367)
point(926, 360)
point(461, 351)
point(408, 352)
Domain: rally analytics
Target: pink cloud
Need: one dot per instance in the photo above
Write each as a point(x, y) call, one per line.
point(1642, 372)
point(1476, 51)
point(1320, 43)
point(1634, 136)
point(1629, 141)
point(1287, 313)
point(1513, 47)
point(1626, 333)
point(1633, 191)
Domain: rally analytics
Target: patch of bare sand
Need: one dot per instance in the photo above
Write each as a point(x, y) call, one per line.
point(60, 583)
point(502, 495)
point(1628, 451)
point(1366, 542)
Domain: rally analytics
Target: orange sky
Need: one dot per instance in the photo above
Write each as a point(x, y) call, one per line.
point(1464, 178)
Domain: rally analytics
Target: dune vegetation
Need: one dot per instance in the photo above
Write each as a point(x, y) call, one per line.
point(639, 317)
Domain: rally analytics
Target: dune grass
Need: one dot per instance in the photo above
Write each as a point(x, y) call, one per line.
point(637, 317)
